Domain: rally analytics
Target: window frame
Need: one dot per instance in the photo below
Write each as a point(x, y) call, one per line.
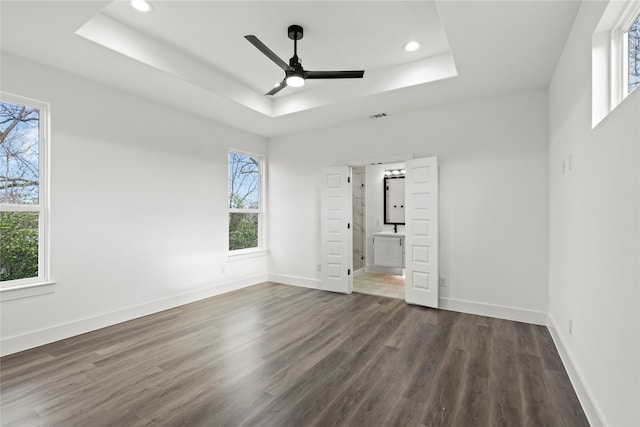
point(620, 52)
point(42, 207)
point(631, 17)
point(609, 58)
point(259, 211)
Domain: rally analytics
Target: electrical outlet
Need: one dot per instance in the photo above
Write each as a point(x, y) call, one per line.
point(443, 281)
point(570, 161)
point(570, 326)
point(319, 267)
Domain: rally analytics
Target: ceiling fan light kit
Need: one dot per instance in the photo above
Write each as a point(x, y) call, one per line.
point(295, 80)
point(295, 75)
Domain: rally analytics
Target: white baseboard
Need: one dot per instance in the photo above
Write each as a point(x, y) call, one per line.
point(48, 335)
point(585, 396)
point(491, 310)
point(295, 281)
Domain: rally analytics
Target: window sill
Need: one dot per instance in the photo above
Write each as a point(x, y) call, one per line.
point(26, 291)
point(246, 254)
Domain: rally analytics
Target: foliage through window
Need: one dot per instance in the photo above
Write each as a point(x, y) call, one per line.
point(245, 199)
point(22, 191)
point(633, 47)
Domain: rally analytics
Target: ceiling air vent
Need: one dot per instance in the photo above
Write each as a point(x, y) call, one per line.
point(378, 116)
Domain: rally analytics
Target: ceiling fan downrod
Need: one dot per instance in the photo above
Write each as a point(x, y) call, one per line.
point(295, 33)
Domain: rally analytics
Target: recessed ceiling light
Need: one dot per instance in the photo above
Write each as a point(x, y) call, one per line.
point(412, 46)
point(141, 5)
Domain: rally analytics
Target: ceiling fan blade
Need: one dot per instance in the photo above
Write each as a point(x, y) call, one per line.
point(334, 74)
point(278, 88)
point(268, 52)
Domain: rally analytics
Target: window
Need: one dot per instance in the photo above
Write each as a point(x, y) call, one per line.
point(615, 57)
point(633, 55)
point(245, 201)
point(23, 191)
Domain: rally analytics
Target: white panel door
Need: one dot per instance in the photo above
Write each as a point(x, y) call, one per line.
point(421, 232)
point(335, 230)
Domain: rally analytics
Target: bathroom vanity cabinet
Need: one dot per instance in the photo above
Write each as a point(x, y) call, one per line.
point(388, 249)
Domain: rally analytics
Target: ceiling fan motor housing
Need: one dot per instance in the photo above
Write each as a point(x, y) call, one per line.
point(295, 32)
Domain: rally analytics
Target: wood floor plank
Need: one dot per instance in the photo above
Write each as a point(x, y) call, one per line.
point(506, 403)
point(433, 348)
point(525, 338)
point(277, 355)
point(475, 399)
point(536, 407)
point(337, 411)
point(550, 359)
point(443, 403)
point(567, 408)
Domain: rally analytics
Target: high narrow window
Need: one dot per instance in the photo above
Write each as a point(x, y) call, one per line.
point(23, 191)
point(615, 57)
point(633, 52)
point(245, 201)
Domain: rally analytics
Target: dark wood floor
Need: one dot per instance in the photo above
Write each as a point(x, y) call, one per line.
point(275, 355)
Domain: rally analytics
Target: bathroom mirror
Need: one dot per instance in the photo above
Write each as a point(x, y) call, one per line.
point(394, 200)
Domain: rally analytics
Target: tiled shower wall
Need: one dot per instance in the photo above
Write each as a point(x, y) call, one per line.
point(359, 209)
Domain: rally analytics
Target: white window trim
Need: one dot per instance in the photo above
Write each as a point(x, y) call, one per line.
point(13, 289)
point(261, 248)
point(620, 53)
point(609, 57)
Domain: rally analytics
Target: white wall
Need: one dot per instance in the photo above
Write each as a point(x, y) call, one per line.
point(594, 273)
point(493, 158)
point(138, 208)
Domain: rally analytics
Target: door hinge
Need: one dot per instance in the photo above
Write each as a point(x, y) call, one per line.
point(348, 272)
point(348, 226)
point(348, 179)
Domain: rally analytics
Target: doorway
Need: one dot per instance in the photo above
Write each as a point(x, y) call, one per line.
point(420, 237)
point(369, 218)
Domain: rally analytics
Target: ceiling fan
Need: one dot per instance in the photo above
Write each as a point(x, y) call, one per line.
point(295, 75)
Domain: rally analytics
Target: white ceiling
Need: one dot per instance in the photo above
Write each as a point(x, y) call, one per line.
point(192, 54)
